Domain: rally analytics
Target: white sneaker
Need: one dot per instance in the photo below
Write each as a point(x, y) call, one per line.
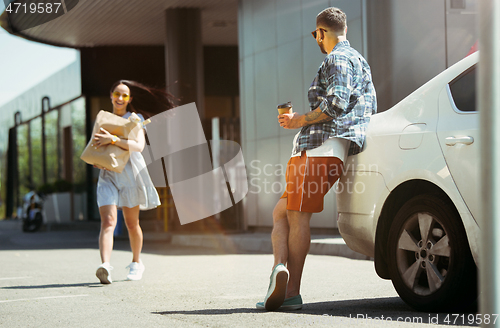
point(104, 273)
point(136, 270)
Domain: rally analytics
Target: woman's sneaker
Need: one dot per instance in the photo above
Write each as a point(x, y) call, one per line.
point(104, 273)
point(136, 270)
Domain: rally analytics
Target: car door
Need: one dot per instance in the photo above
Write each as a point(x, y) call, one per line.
point(458, 133)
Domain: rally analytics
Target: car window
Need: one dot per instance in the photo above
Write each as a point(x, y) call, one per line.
point(463, 90)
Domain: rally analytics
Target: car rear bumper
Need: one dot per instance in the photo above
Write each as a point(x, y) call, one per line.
point(353, 228)
point(359, 207)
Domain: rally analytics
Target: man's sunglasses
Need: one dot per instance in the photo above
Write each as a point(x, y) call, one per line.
point(316, 31)
point(125, 96)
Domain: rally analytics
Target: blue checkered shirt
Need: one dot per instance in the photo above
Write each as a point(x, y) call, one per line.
point(343, 89)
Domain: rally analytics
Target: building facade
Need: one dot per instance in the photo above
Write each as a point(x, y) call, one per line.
point(239, 59)
point(63, 123)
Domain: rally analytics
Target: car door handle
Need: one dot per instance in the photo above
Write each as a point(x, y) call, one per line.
point(452, 141)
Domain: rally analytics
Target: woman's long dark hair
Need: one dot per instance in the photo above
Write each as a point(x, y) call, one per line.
point(147, 101)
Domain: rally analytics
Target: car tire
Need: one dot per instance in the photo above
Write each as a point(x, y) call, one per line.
point(430, 262)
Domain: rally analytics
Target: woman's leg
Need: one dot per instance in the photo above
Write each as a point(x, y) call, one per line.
point(131, 217)
point(108, 223)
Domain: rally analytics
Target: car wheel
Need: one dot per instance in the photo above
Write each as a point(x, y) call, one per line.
point(430, 262)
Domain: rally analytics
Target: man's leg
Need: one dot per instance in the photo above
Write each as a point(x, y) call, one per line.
point(279, 276)
point(299, 241)
point(280, 233)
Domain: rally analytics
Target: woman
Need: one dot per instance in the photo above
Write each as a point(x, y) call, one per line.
point(132, 189)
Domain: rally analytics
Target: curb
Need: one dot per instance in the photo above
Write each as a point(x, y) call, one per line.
point(332, 245)
point(261, 243)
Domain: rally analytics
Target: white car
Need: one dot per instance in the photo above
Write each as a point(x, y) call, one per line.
point(411, 198)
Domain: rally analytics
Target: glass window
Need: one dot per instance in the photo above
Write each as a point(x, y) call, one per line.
point(79, 141)
point(463, 90)
point(36, 151)
point(51, 146)
point(23, 159)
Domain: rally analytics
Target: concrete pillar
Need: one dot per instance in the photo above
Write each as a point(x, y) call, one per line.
point(184, 56)
point(489, 106)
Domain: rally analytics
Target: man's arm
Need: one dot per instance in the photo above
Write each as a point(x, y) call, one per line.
point(339, 74)
point(296, 121)
point(316, 116)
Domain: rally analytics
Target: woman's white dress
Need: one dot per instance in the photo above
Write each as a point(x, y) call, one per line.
point(131, 187)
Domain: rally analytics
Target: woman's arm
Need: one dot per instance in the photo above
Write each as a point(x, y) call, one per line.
point(105, 138)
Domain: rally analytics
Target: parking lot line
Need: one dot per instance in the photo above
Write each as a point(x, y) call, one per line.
point(42, 298)
point(12, 278)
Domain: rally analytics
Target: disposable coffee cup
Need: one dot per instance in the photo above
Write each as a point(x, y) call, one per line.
point(285, 108)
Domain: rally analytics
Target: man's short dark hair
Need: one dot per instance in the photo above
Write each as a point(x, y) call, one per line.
point(333, 18)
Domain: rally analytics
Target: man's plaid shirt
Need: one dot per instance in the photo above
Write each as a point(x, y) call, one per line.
point(343, 89)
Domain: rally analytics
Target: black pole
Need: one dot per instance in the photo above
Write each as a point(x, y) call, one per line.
point(30, 157)
point(17, 122)
point(91, 191)
point(12, 195)
point(59, 145)
point(45, 100)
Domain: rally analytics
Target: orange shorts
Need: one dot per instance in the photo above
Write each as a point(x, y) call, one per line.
point(308, 179)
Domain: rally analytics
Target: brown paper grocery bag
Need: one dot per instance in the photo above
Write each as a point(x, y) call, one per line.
point(110, 156)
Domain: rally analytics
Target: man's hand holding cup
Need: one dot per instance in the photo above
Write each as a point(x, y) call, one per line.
point(286, 116)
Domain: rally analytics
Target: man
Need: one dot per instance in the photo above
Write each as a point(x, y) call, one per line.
point(342, 99)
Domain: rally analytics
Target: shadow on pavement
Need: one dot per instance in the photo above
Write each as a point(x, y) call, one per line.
point(358, 311)
point(382, 309)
